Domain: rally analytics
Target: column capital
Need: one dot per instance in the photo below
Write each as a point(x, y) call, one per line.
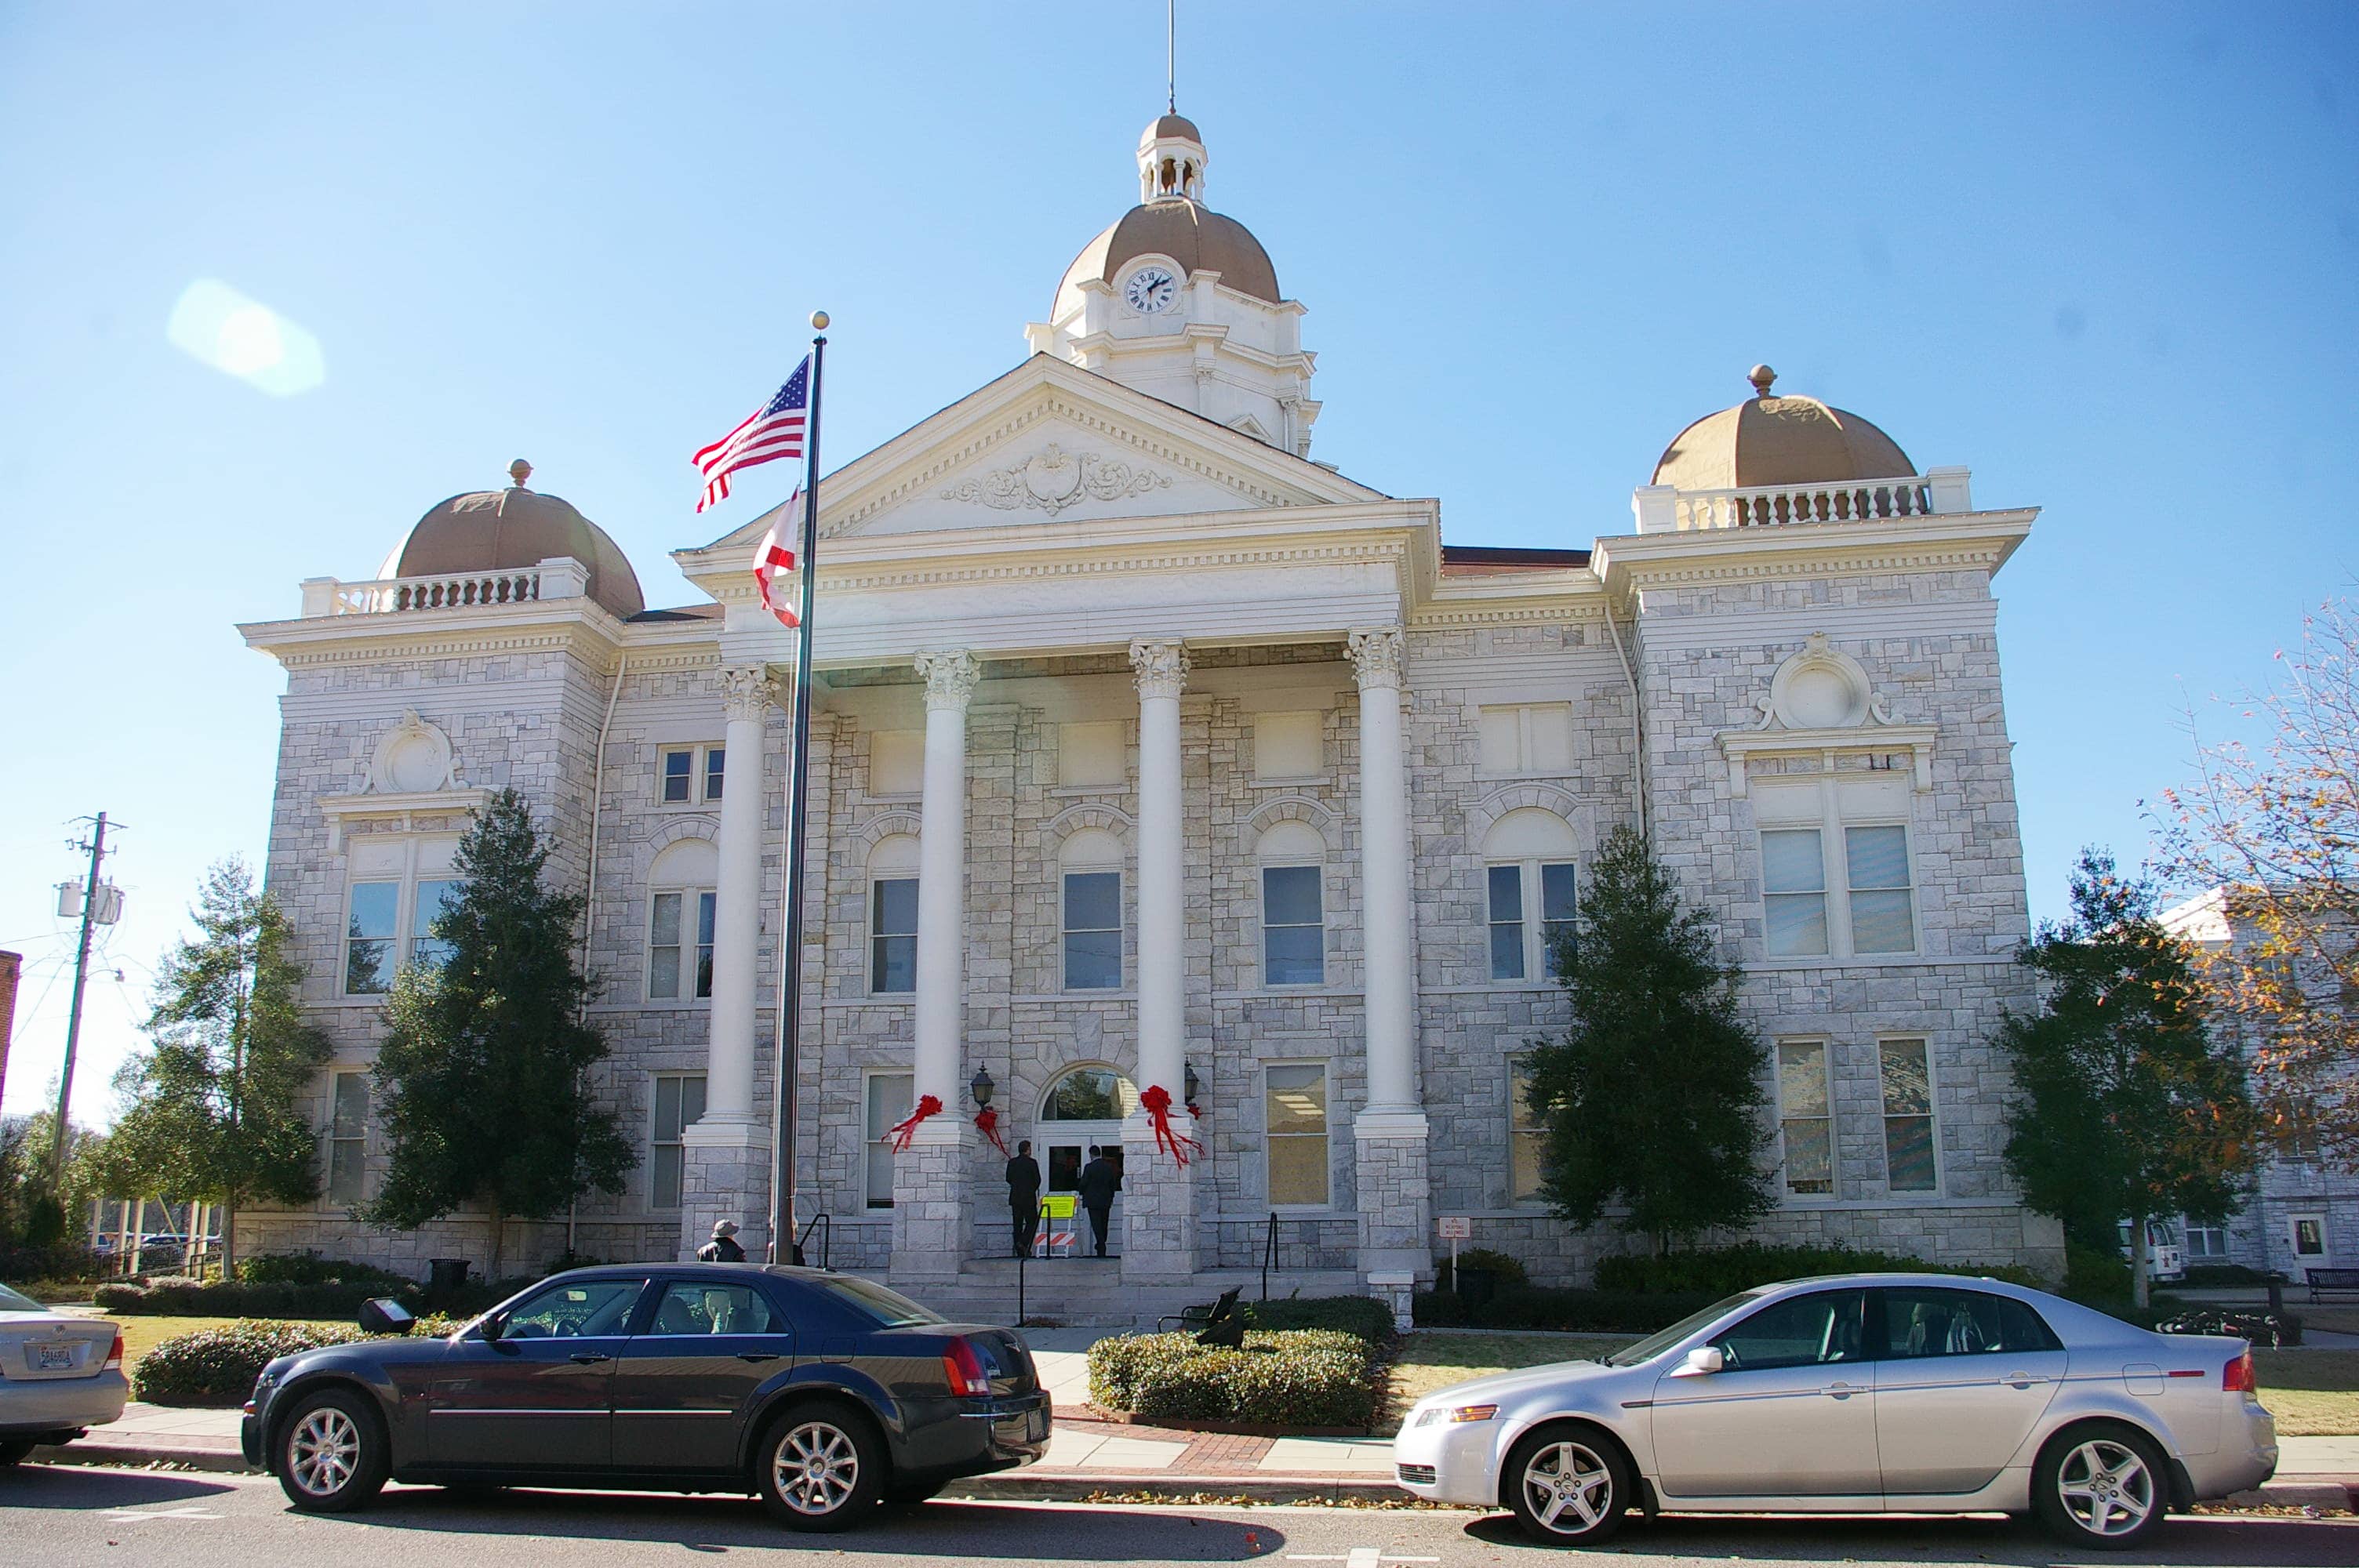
point(950, 675)
point(1376, 656)
point(746, 693)
point(1159, 665)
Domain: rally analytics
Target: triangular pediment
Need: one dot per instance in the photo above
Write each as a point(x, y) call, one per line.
point(1048, 441)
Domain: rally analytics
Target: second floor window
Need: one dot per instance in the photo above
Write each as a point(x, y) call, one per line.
point(893, 934)
point(1092, 931)
point(679, 945)
point(690, 776)
point(398, 887)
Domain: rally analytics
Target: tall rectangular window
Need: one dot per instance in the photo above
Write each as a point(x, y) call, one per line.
point(1907, 1115)
point(1092, 931)
point(370, 934)
point(889, 1096)
point(679, 1104)
point(1557, 908)
point(1507, 885)
point(893, 935)
point(1794, 892)
point(1531, 908)
point(2206, 1243)
point(1293, 928)
point(431, 898)
point(1805, 1117)
point(678, 776)
point(716, 768)
point(348, 1138)
point(1876, 860)
point(1527, 1134)
point(680, 934)
point(1295, 1112)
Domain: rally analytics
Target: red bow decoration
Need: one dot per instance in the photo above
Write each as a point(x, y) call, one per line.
point(1194, 1112)
point(988, 1121)
point(903, 1131)
point(1157, 1102)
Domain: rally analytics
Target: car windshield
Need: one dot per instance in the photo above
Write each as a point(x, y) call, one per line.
point(11, 1301)
point(1663, 1339)
point(885, 1309)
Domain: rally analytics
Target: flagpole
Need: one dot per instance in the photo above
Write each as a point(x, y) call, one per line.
point(790, 956)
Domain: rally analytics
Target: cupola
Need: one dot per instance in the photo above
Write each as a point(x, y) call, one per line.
point(1171, 160)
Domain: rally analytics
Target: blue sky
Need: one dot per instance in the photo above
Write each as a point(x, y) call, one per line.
point(2104, 255)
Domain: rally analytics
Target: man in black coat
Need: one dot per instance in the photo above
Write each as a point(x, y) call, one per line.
point(724, 1247)
point(1024, 1197)
point(1098, 1184)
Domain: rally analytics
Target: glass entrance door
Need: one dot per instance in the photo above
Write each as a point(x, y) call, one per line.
point(1085, 1108)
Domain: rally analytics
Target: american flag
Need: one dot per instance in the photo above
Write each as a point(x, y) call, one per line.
point(774, 430)
point(775, 558)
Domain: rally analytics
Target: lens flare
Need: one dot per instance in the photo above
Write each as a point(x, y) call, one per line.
point(216, 325)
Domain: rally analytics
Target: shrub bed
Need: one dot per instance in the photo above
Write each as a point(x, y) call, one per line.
point(1292, 1378)
point(1718, 1272)
point(1564, 1311)
point(218, 1366)
point(173, 1296)
point(1362, 1316)
point(309, 1268)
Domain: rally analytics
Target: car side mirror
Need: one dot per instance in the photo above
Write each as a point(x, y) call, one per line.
point(384, 1314)
point(492, 1327)
point(1701, 1362)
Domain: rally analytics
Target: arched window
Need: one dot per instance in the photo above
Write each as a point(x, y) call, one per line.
point(680, 920)
point(1293, 906)
point(1089, 1094)
point(1090, 895)
point(893, 916)
point(1529, 884)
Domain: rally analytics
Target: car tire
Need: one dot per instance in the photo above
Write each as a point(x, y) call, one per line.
point(1568, 1485)
point(331, 1453)
point(2104, 1486)
point(820, 1467)
point(14, 1450)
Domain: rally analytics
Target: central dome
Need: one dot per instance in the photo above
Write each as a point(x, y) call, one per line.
point(506, 530)
point(1198, 238)
point(1769, 440)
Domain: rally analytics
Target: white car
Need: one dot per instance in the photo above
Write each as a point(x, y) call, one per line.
point(1919, 1393)
point(60, 1376)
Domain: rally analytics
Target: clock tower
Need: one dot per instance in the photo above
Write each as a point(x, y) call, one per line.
point(1182, 303)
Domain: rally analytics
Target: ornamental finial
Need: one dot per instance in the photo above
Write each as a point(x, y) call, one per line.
point(520, 471)
point(1763, 378)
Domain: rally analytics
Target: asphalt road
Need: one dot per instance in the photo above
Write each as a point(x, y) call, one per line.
point(66, 1517)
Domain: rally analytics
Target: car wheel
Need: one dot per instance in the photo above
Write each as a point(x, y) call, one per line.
point(1568, 1485)
point(331, 1453)
point(13, 1452)
point(2103, 1487)
point(819, 1469)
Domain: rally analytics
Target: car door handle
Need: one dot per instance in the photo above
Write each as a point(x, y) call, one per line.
point(1843, 1390)
point(2021, 1379)
point(591, 1357)
point(755, 1356)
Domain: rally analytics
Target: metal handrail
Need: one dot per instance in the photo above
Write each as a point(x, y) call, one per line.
point(1268, 1254)
point(824, 1223)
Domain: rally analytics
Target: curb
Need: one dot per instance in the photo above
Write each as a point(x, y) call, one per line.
point(221, 1461)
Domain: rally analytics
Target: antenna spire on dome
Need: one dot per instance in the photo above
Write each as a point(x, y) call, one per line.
point(1171, 57)
point(520, 471)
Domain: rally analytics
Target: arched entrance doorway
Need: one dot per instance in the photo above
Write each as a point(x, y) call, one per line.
point(1084, 1105)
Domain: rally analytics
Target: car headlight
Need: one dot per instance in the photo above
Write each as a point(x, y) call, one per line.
point(1474, 1413)
point(1428, 1417)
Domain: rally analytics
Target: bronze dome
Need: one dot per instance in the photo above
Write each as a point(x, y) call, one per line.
point(1172, 125)
point(503, 530)
point(1198, 238)
point(1768, 440)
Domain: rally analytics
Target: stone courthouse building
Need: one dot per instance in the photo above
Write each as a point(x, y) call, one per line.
point(1150, 752)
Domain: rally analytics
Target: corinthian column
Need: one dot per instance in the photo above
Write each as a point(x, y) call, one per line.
point(725, 1163)
point(1389, 1132)
point(1158, 1194)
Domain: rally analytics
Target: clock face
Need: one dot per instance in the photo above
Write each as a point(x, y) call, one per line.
point(1151, 290)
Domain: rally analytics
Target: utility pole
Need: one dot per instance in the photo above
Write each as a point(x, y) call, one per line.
point(97, 847)
point(11, 965)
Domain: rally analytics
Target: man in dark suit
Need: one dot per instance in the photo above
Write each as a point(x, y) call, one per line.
point(1024, 1197)
point(1097, 1186)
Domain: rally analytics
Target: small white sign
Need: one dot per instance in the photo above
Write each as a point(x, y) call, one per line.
point(1455, 1227)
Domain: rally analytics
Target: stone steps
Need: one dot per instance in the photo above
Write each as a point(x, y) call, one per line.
point(1093, 1292)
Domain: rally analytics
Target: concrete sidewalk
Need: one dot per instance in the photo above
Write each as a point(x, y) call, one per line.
point(1087, 1456)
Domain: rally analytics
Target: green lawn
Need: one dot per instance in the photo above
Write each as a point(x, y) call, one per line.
point(2313, 1393)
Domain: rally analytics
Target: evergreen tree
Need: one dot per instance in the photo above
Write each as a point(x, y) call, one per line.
point(2127, 1110)
point(1652, 1102)
point(483, 1079)
point(212, 1107)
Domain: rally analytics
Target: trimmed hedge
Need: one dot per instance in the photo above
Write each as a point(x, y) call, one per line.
point(179, 1297)
point(1362, 1316)
point(311, 1268)
point(218, 1366)
point(2214, 1274)
point(1566, 1310)
point(1505, 1270)
point(1718, 1272)
point(1302, 1377)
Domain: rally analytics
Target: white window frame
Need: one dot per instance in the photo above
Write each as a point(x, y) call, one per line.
point(1531, 896)
point(1519, 1130)
point(2321, 1259)
point(337, 1139)
point(1262, 925)
point(702, 775)
point(1524, 767)
point(1066, 929)
point(657, 1143)
point(695, 955)
point(406, 881)
point(1908, 888)
point(1826, 1050)
point(1886, 1116)
point(2190, 1228)
point(1835, 890)
point(870, 1142)
point(872, 935)
point(1325, 1135)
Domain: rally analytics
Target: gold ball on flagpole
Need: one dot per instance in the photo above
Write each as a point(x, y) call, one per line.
point(818, 321)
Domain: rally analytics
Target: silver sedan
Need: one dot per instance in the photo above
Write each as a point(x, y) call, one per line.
point(1917, 1393)
point(60, 1374)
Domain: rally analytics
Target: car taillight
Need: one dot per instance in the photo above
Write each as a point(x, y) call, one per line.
point(114, 1353)
point(964, 1369)
point(2236, 1378)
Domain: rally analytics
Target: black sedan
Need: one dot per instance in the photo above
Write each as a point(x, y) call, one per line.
point(825, 1393)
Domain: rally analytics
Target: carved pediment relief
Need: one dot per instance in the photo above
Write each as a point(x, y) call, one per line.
point(1822, 710)
point(1053, 478)
point(1821, 687)
point(413, 758)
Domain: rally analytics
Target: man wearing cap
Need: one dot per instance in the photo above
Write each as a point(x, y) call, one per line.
point(723, 1248)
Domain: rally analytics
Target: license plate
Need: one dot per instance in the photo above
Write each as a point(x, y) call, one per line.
point(1036, 1427)
point(51, 1357)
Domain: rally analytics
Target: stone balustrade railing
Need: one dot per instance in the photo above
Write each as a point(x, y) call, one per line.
point(1663, 509)
point(561, 577)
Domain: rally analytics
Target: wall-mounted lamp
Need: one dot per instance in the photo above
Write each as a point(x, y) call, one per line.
point(981, 1087)
point(1192, 1085)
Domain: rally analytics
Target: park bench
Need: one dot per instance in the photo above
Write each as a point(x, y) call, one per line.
point(2325, 1281)
point(1217, 1323)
